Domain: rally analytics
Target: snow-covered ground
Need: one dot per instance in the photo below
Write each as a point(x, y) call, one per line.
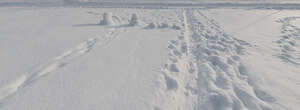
point(173, 59)
point(156, 4)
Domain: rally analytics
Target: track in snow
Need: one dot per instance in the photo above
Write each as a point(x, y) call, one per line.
point(289, 41)
point(56, 63)
point(210, 76)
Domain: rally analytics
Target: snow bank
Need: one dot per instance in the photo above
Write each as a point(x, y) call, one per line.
point(153, 25)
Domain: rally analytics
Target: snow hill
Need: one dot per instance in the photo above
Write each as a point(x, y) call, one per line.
point(182, 58)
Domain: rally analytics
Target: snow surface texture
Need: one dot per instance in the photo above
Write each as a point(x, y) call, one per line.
point(289, 41)
point(209, 63)
point(54, 64)
point(156, 59)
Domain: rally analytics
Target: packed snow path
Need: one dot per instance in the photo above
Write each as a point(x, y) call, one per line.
point(210, 75)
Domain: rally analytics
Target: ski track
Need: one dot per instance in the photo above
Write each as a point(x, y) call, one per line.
point(210, 76)
point(289, 41)
point(56, 63)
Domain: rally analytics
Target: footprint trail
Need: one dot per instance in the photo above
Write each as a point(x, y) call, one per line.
point(289, 41)
point(204, 71)
point(57, 63)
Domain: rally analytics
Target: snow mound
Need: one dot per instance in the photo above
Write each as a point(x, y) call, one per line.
point(107, 19)
point(134, 20)
point(151, 26)
point(174, 26)
point(163, 25)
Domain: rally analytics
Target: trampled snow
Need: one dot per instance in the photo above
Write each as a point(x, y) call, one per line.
point(182, 58)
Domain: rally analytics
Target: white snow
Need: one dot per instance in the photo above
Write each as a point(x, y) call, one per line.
point(182, 58)
point(107, 19)
point(134, 21)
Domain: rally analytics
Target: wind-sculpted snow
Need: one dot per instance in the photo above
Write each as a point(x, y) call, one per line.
point(56, 63)
point(289, 41)
point(204, 71)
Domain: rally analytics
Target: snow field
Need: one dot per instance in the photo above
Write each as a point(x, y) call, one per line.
point(152, 59)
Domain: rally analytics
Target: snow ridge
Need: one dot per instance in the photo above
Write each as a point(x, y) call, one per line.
point(210, 76)
point(288, 41)
point(55, 64)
